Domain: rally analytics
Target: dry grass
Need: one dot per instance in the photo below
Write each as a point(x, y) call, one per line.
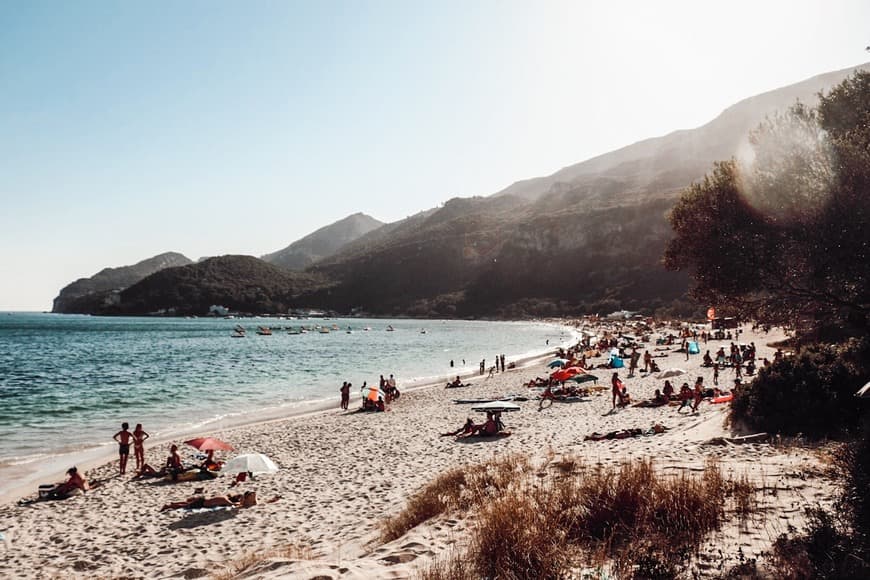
point(249, 560)
point(630, 516)
point(461, 487)
point(743, 494)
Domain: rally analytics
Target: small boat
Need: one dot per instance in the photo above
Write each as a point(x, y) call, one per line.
point(390, 328)
point(422, 331)
point(264, 331)
point(324, 330)
point(237, 334)
point(335, 327)
point(367, 328)
point(349, 330)
point(292, 330)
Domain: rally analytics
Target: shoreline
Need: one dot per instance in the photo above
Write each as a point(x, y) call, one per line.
point(54, 466)
point(341, 473)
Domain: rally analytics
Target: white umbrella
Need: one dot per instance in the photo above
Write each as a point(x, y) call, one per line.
point(496, 406)
point(666, 374)
point(864, 392)
point(253, 462)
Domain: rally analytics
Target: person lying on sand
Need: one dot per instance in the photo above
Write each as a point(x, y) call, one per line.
point(626, 433)
point(469, 427)
point(247, 499)
point(148, 471)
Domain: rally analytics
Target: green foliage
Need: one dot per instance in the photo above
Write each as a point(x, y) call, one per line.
point(783, 237)
point(241, 283)
point(810, 393)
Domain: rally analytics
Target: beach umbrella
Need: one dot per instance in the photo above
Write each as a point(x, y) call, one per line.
point(564, 374)
point(864, 392)
point(583, 378)
point(559, 362)
point(502, 406)
point(253, 462)
point(209, 444)
point(668, 373)
point(372, 393)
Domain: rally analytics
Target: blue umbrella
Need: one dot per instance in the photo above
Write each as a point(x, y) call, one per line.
point(559, 362)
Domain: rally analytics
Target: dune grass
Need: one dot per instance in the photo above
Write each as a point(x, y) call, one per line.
point(629, 517)
point(461, 487)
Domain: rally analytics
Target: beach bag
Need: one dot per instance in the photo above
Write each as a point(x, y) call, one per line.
point(693, 348)
point(616, 362)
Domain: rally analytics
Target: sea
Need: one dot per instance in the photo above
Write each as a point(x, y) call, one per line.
point(68, 381)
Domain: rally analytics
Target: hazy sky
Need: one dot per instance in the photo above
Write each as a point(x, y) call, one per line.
point(129, 129)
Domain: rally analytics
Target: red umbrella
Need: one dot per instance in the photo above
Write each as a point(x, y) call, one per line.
point(565, 374)
point(209, 444)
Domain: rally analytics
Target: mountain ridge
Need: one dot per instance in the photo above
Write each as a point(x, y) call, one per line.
point(81, 293)
point(322, 242)
point(588, 238)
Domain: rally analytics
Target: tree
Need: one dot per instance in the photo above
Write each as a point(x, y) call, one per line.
point(784, 235)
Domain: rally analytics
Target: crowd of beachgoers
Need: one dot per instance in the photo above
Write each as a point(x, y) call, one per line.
point(340, 472)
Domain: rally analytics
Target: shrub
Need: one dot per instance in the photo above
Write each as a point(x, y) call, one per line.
point(810, 393)
point(429, 502)
point(836, 544)
point(514, 539)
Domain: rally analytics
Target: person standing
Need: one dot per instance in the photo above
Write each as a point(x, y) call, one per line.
point(345, 395)
point(616, 388)
point(139, 437)
point(632, 365)
point(124, 437)
point(502, 363)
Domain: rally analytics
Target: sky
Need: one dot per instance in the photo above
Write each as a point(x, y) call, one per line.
point(212, 127)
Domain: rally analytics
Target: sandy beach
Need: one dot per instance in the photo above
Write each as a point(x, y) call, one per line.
point(341, 473)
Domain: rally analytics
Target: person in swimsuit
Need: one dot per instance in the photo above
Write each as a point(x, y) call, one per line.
point(173, 462)
point(124, 438)
point(139, 437)
point(75, 481)
point(247, 499)
point(616, 388)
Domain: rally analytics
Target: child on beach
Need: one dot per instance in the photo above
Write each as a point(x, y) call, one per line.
point(124, 437)
point(139, 437)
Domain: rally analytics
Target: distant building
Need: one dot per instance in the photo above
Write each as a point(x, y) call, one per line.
point(217, 310)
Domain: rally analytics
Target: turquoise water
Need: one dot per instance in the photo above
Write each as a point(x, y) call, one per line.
point(67, 382)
